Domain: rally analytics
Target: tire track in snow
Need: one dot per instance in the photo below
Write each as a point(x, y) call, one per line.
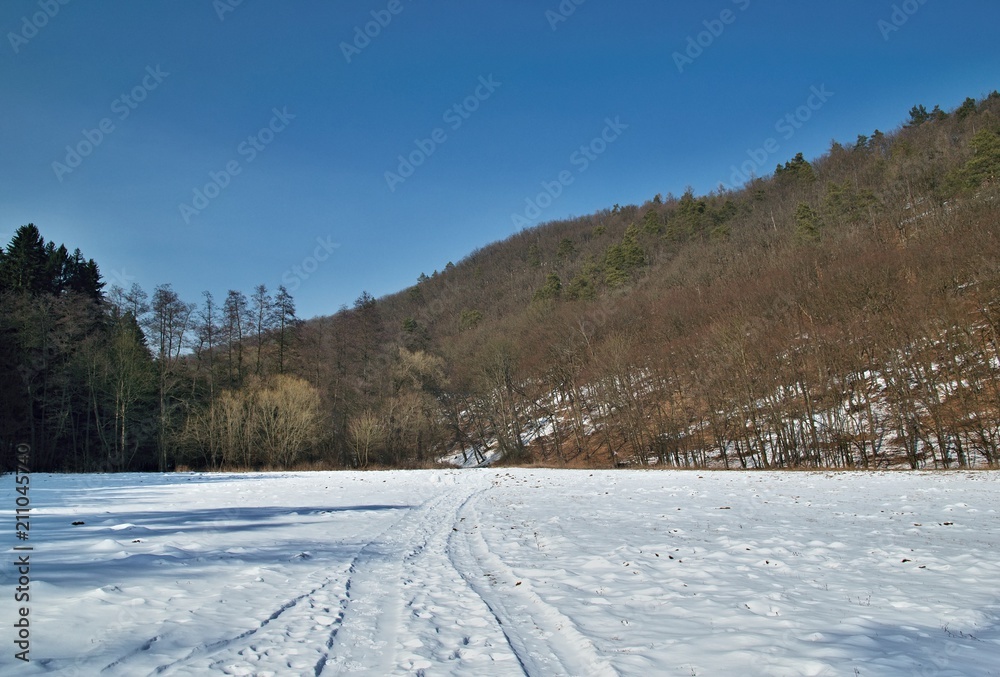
point(145, 646)
point(310, 626)
point(429, 575)
point(546, 642)
point(366, 641)
point(448, 628)
point(295, 619)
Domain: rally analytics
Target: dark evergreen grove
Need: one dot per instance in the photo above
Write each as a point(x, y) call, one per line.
point(111, 380)
point(843, 312)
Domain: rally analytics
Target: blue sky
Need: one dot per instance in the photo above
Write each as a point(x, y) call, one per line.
point(162, 99)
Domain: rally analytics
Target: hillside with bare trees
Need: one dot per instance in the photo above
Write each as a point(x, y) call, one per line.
point(843, 312)
point(840, 313)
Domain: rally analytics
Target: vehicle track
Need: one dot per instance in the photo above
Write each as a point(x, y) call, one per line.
point(546, 642)
point(426, 594)
point(365, 639)
point(289, 627)
point(302, 633)
point(379, 589)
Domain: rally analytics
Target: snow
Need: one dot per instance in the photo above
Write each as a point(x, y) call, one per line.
point(511, 572)
point(468, 458)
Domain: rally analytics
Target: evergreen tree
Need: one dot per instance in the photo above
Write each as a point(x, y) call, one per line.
point(984, 166)
point(566, 249)
point(551, 290)
point(918, 116)
point(967, 108)
point(581, 288)
point(621, 259)
point(807, 224)
point(797, 169)
point(652, 222)
point(25, 263)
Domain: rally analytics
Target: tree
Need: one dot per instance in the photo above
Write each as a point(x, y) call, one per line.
point(285, 322)
point(581, 288)
point(469, 319)
point(550, 290)
point(652, 222)
point(365, 432)
point(286, 417)
point(262, 312)
point(807, 224)
point(235, 329)
point(23, 266)
point(498, 371)
point(168, 324)
point(968, 107)
point(365, 302)
point(798, 170)
point(984, 165)
point(131, 386)
point(621, 259)
point(208, 332)
point(534, 256)
point(566, 249)
point(269, 422)
point(918, 116)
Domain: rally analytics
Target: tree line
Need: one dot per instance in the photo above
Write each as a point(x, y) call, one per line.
point(118, 380)
point(838, 313)
point(842, 312)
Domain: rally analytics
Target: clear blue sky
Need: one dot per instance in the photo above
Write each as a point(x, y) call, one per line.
point(208, 84)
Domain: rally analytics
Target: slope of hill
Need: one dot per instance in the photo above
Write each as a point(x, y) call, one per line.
point(842, 312)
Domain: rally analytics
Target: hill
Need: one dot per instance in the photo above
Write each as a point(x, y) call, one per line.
point(841, 312)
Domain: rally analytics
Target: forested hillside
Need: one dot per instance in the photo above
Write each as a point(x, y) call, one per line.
point(843, 312)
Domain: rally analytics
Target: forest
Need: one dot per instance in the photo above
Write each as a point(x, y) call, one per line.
point(843, 312)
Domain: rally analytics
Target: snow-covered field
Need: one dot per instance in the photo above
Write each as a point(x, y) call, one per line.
point(510, 572)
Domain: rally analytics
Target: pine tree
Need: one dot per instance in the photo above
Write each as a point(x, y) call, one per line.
point(807, 224)
point(551, 290)
point(984, 166)
point(967, 108)
point(796, 169)
point(566, 249)
point(918, 116)
point(24, 264)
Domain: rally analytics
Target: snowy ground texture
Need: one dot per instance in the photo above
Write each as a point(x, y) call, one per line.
point(511, 572)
